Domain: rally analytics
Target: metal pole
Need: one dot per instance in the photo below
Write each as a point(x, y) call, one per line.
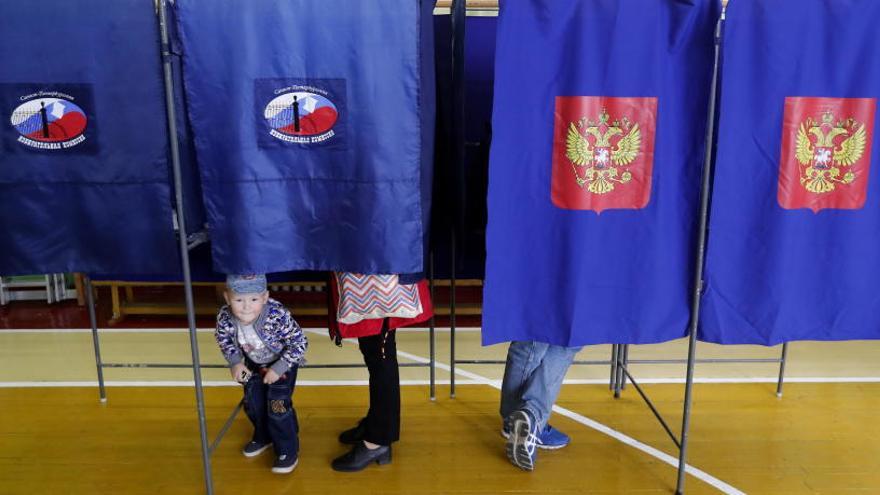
point(618, 376)
point(625, 364)
point(702, 361)
point(57, 293)
point(336, 366)
point(698, 261)
point(459, 17)
point(452, 321)
point(226, 426)
point(184, 251)
point(90, 297)
point(613, 367)
point(651, 406)
point(782, 369)
point(498, 361)
point(431, 328)
point(50, 286)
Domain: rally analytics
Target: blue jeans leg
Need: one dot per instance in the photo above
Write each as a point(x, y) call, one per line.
point(255, 408)
point(535, 372)
point(282, 420)
point(522, 359)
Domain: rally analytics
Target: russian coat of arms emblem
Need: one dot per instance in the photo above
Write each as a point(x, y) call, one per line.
point(826, 148)
point(603, 152)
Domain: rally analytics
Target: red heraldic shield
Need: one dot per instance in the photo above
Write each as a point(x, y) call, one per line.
point(826, 153)
point(603, 152)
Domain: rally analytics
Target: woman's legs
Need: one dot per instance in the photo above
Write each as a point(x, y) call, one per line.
point(382, 425)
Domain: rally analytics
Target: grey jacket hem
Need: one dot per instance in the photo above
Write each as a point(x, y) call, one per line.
point(280, 367)
point(233, 359)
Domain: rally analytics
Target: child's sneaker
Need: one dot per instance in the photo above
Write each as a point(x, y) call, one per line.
point(549, 439)
point(284, 464)
point(522, 442)
point(253, 449)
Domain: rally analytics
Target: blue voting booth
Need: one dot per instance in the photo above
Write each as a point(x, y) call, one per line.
point(314, 129)
point(84, 168)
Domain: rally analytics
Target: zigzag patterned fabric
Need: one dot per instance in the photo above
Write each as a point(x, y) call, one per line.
point(364, 297)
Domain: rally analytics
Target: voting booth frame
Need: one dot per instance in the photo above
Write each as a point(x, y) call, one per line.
point(207, 448)
point(618, 362)
point(185, 244)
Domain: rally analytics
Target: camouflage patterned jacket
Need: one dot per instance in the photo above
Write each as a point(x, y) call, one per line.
point(275, 326)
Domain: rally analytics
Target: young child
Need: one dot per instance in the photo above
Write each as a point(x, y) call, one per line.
point(264, 346)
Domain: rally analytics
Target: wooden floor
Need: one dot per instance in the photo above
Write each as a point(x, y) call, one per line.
point(57, 438)
point(822, 438)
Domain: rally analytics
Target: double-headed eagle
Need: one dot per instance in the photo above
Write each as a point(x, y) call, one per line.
point(596, 154)
point(822, 161)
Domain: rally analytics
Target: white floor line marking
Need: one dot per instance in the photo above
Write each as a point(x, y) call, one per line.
point(101, 330)
point(212, 383)
point(481, 381)
point(735, 380)
point(632, 442)
point(323, 331)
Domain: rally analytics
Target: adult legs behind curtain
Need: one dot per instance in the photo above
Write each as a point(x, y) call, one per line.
point(532, 379)
point(373, 436)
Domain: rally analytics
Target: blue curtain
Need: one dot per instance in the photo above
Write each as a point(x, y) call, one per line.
point(84, 174)
point(597, 147)
point(794, 236)
point(313, 125)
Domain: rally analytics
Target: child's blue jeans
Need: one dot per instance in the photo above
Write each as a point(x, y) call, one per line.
point(270, 409)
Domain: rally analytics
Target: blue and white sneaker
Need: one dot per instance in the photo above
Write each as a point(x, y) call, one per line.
point(549, 439)
point(522, 443)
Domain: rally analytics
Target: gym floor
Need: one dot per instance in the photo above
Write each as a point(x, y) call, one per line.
point(819, 437)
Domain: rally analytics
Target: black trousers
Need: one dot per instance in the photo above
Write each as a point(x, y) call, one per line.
point(383, 419)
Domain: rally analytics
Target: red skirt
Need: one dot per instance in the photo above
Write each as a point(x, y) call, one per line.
point(366, 328)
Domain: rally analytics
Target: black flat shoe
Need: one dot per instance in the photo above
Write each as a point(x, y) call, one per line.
point(361, 457)
point(354, 436)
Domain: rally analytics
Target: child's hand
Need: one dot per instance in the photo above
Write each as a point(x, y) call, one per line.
point(270, 377)
point(240, 373)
